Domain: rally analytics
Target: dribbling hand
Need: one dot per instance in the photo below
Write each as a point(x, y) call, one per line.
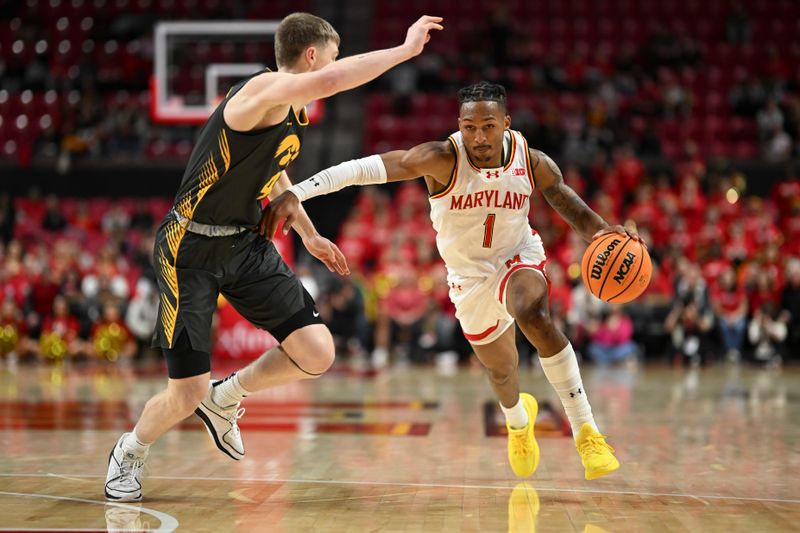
point(418, 34)
point(630, 232)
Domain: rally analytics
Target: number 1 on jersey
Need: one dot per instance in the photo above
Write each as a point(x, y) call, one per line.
point(488, 231)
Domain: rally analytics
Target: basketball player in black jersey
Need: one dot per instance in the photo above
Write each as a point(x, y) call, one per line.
point(207, 244)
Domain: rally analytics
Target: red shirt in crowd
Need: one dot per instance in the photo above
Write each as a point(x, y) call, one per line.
point(728, 300)
point(66, 326)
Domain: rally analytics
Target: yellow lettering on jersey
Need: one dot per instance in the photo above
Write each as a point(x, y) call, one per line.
point(268, 187)
point(288, 150)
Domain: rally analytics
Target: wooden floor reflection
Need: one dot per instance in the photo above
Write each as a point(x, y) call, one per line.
point(411, 450)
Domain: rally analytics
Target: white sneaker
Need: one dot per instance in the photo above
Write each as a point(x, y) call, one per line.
point(123, 482)
point(221, 423)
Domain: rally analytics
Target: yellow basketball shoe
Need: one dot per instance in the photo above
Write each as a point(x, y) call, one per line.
point(523, 507)
point(523, 451)
point(596, 454)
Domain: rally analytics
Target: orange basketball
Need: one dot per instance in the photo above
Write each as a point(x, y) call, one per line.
point(616, 268)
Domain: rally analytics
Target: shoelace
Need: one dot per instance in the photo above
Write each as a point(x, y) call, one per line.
point(522, 445)
point(594, 444)
point(234, 416)
point(130, 467)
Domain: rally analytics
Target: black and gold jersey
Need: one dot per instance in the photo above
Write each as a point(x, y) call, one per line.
point(230, 172)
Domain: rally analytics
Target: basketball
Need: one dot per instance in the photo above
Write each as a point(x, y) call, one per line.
point(616, 268)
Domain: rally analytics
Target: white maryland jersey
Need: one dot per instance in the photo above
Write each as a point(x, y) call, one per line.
point(481, 218)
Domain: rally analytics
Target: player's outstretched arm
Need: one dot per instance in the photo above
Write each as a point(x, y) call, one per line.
point(566, 201)
point(434, 159)
point(272, 89)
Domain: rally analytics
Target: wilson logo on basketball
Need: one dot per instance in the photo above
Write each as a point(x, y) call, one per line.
point(602, 258)
point(625, 267)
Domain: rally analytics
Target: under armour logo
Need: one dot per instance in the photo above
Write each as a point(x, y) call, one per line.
point(455, 286)
point(315, 182)
point(572, 394)
point(492, 174)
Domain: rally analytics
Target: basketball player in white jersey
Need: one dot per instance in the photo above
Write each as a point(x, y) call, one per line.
point(480, 181)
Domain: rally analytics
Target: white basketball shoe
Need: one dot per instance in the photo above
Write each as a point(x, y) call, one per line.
point(222, 424)
point(123, 482)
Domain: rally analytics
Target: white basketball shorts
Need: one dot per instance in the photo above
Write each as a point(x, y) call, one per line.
point(481, 301)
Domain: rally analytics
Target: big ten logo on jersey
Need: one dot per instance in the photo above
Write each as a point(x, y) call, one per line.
point(287, 152)
point(519, 171)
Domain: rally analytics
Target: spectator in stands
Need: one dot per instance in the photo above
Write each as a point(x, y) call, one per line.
point(400, 321)
point(768, 119)
point(141, 218)
point(768, 331)
point(142, 315)
point(111, 339)
point(677, 100)
point(500, 34)
point(730, 308)
point(54, 219)
point(738, 27)
point(584, 308)
point(45, 288)
point(748, 96)
point(691, 318)
point(790, 301)
point(345, 317)
point(60, 333)
point(779, 146)
point(14, 340)
point(115, 221)
point(8, 215)
point(559, 295)
point(611, 337)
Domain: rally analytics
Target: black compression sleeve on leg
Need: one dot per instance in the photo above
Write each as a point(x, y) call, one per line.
point(185, 362)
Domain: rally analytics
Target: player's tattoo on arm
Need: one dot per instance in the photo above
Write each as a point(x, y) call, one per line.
point(567, 202)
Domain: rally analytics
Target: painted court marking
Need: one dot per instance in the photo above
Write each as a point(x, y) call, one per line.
point(425, 485)
point(168, 523)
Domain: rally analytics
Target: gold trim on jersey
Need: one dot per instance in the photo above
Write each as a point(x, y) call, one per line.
point(302, 118)
point(174, 233)
point(224, 149)
point(528, 163)
point(510, 159)
point(209, 175)
point(453, 173)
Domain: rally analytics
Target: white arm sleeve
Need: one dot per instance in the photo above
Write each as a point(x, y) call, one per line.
point(366, 171)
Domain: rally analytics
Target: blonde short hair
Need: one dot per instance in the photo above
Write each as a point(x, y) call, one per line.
point(297, 32)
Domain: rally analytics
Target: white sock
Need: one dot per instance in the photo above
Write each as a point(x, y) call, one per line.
point(516, 416)
point(132, 444)
point(229, 391)
point(564, 375)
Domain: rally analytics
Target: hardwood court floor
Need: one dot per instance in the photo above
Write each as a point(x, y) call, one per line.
point(712, 450)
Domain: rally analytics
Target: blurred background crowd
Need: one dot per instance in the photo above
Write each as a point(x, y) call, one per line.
point(680, 117)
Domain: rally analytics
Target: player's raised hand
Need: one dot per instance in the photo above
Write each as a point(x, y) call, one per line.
point(283, 208)
point(419, 33)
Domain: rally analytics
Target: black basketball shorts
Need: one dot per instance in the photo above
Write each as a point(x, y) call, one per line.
point(192, 270)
